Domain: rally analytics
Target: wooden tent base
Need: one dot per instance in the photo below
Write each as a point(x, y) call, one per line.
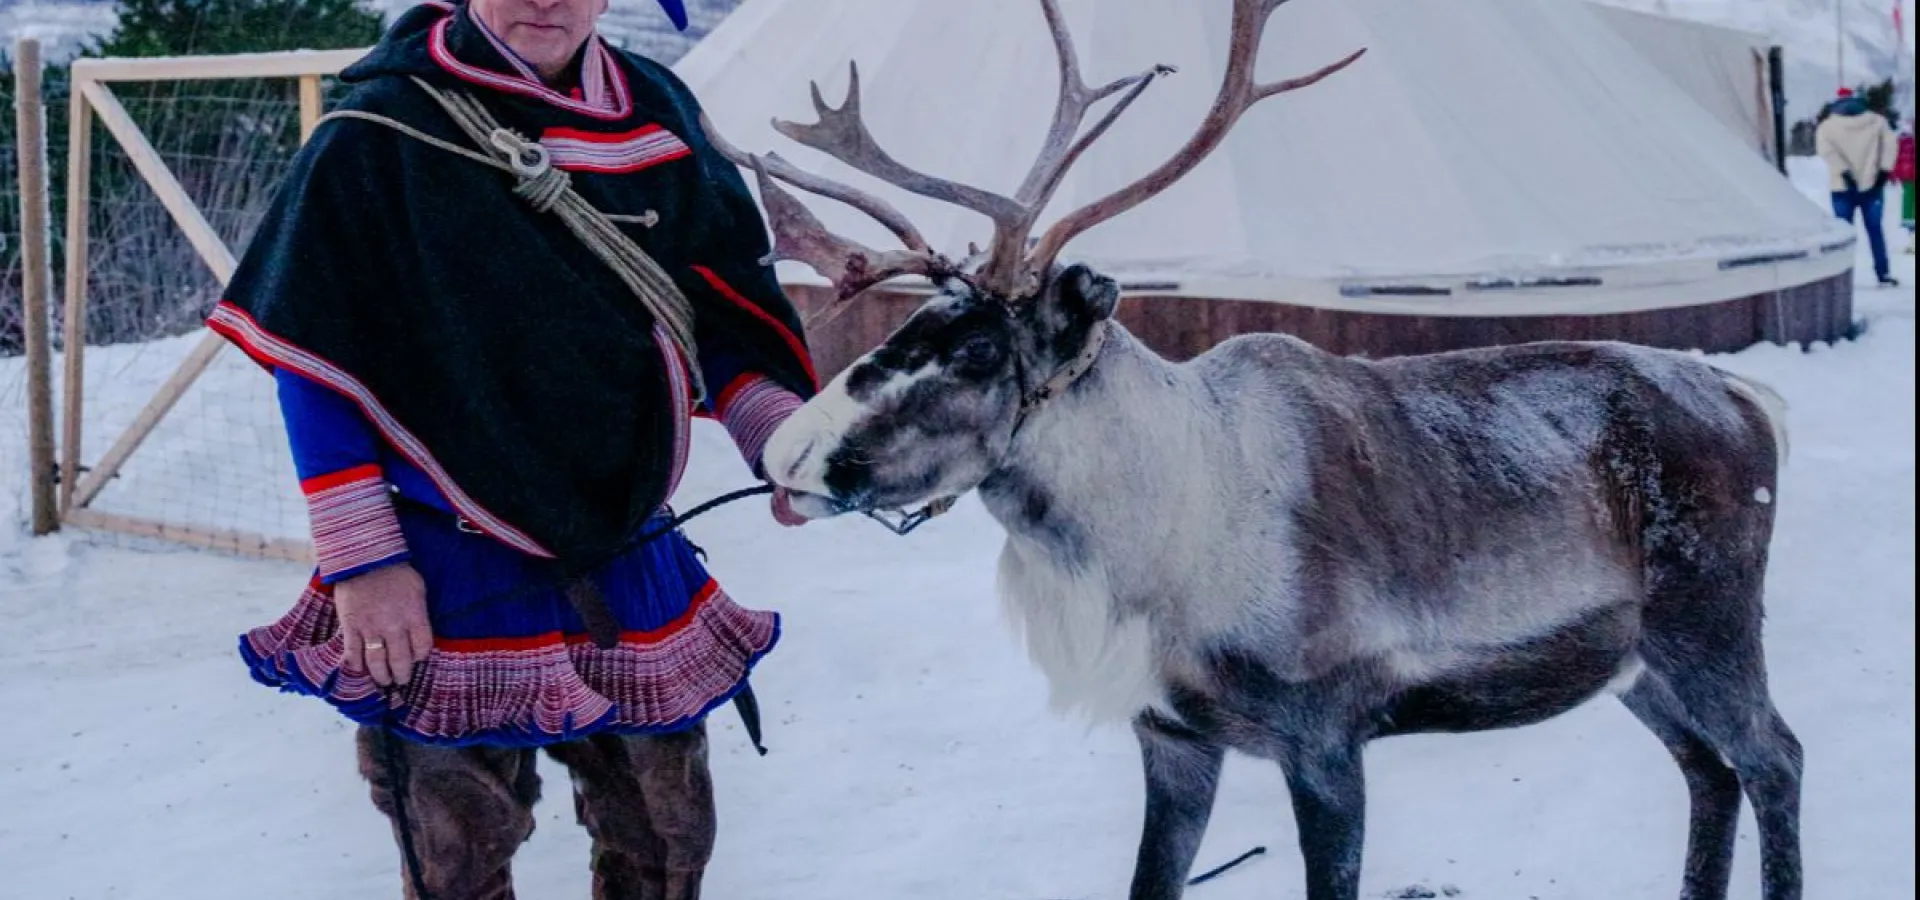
point(1184, 327)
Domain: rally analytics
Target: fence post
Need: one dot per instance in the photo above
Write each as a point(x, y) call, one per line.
point(35, 261)
point(309, 105)
point(74, 341)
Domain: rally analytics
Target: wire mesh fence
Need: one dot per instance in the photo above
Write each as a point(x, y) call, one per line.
point(218, 461)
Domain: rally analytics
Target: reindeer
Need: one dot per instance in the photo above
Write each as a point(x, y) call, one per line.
point(1278, 551)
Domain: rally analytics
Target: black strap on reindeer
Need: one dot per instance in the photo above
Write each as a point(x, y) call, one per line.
point(1032, 400)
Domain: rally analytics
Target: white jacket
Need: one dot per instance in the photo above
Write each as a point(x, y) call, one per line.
point(1861, 144)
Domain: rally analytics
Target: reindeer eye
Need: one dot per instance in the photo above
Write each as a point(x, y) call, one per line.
point(977, 352)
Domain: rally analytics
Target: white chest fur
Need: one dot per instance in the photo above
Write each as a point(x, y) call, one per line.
point(1101, 666)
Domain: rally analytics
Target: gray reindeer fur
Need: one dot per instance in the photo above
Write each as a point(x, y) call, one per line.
point(1277, 551)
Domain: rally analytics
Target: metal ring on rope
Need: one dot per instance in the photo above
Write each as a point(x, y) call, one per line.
point(540, 184)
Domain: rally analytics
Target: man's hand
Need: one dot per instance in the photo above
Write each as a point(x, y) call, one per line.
point(383, 622)
point(1852, 183)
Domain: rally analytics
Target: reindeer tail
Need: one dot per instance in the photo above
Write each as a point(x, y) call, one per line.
point(1765, 399)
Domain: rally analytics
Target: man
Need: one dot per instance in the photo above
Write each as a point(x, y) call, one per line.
point(1859, 150)
point(488, 415)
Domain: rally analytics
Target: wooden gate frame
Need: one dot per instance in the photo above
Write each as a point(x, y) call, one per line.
point(92, 96)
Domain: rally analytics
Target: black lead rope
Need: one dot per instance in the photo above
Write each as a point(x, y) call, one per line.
point(1221, 869)
point(581, 570)
point(397, 778)
point(1225, 867)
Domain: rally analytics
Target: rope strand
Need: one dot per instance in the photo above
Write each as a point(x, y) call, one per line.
point(549, 189)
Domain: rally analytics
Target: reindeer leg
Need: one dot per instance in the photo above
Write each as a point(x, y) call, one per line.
point(1770, 771)
point(1183, 773)
point(1711, 783)
point(1745, 728)
point(1329, 806)
point(1767, 756)
point(1702, 637)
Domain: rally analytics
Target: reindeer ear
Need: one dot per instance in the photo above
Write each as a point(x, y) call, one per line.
point(1074, 301)
point(1086, 296)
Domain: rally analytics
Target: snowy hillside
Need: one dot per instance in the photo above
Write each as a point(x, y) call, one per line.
point(61, 26)
point(635, 24)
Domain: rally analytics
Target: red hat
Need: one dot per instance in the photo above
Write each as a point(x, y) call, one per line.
point(1844, 93)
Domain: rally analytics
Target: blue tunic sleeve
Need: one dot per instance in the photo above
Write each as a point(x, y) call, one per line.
point(338, 457)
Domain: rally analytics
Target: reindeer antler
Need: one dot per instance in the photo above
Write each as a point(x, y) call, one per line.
point(1238, 93)
point(800, 236)
point(1008, 270)
point(879, 209)
point(851, 266)
point(842, 134)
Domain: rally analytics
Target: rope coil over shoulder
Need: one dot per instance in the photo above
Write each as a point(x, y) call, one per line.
point(549, 190)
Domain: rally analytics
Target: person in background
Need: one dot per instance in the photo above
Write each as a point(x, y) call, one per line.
point(1860, 150)
point(486, 420)
point(1903, 172)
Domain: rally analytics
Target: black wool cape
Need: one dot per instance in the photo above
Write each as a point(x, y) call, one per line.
point(485, 342)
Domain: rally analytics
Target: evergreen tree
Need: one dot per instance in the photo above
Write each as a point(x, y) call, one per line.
point(187, 27)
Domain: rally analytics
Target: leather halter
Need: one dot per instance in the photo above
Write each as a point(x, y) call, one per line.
point(1030, 402)
point(1065, 376)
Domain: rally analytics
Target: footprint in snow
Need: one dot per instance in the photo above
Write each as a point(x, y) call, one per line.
point(1422, 892)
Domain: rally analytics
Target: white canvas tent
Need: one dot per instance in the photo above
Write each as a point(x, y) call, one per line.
point(1486, 157)
point(1724, 69)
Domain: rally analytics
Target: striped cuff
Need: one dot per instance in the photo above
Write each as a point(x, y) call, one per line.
point(354, 526)
point(750, 409)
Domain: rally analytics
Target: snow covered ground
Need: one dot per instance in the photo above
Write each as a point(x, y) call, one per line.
point(912, 753)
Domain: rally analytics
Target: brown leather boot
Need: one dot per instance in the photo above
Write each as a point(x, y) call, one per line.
point(647, 801)
point(467, 810)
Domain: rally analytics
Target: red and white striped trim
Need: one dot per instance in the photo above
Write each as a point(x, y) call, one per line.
point(799, 347)
point(234, 324)
point(751, 408)
point(613, 154)
point(547, 686)
point(603, 87)
point(353, 520)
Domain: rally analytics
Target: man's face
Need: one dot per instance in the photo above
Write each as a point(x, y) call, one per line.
point(546, 33)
